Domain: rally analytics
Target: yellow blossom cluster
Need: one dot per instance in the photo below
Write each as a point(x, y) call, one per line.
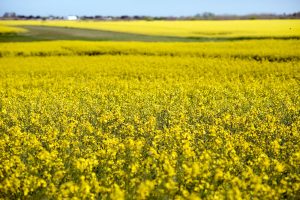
point(149, 126)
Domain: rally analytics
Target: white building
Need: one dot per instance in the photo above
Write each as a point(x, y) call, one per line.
point(72, 17)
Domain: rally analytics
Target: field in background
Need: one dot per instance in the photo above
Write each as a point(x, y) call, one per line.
point(253, 50)
point(162, 30)
point(50, 33)
point(10, 30)
point(150, 120)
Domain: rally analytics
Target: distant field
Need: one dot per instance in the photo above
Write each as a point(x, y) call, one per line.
point(48, 33)
point(4, 30)
point(185, 29)
point(286, 50)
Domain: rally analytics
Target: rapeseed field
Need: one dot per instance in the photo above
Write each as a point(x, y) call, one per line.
point(134, 120)
point(218, 29)
point(10, 30)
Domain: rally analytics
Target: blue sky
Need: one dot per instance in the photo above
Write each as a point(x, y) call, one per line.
point(146, 7)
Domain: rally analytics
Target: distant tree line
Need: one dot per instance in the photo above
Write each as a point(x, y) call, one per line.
point(202, 16)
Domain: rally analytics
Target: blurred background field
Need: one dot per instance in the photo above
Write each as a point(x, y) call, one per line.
point(156, 30)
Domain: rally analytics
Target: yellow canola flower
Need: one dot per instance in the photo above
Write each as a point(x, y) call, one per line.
point(145, 189)
point(85, 164)
point(117, 194)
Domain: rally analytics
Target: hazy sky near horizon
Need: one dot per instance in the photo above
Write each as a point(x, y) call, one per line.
point(146, 7)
